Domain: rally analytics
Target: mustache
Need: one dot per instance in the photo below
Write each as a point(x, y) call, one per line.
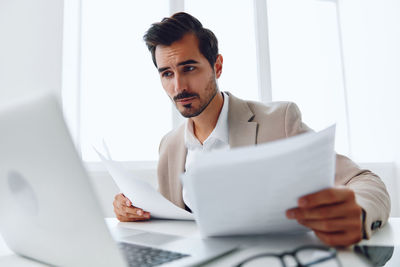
point(184, 94)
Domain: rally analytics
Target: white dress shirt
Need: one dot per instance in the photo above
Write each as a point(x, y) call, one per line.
point(218, 139)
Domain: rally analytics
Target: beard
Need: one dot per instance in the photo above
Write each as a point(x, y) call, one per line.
point(210, 91)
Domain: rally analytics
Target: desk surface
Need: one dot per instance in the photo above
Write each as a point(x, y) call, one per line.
point(389, 235)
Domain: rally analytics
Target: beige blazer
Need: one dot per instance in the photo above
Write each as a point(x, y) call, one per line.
point(252, 123)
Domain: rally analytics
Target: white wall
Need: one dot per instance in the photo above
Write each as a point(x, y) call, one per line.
point(30, 47)
point(371, 37)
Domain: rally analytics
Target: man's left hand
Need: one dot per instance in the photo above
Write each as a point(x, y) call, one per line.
point(332, 214)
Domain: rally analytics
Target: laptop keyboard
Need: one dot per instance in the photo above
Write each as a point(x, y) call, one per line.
point(142, 256)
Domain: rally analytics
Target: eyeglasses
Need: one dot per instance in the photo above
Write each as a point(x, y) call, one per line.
point(303, 256)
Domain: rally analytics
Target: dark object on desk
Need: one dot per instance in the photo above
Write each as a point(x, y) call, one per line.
point(303, 256)
point(377, 255)
point(146, 256)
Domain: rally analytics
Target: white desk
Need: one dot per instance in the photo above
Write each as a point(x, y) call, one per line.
point(389, 235)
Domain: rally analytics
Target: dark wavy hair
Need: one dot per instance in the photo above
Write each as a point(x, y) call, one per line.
point(173, 29)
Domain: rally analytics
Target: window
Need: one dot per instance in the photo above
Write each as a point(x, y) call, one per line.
point(306, 65)
point(236, 37)
point(122, 100)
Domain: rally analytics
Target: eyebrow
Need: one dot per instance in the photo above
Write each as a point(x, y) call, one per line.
point(186, 62)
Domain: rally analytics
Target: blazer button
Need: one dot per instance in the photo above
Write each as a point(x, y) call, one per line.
point(376, 225)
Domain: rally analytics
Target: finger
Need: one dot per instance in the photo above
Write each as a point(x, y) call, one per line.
point(124, 219)
point(136, 212)
point(145, 216)
point(123, 200)
point(117, 202)
point(133, 210)
point(128, 203)
point(326, 197)
point(132, 214)
point(121, 215)
point(129, 219)
point(339, 238)
point(333, 225)
point(120, 199)
point(126, 200)
point(340, 210)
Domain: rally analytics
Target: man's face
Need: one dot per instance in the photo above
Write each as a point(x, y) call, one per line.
point(186, 75)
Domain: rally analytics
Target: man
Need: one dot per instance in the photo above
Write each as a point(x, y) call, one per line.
point(186, 57)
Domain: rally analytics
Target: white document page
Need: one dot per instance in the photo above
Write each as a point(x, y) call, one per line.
point(142, 194)
point(248, 190)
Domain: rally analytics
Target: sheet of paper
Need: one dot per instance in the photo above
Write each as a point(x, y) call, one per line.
point(247, 190)
point(142, 194)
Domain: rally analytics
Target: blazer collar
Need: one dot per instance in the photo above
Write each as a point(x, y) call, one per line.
point(242, 130)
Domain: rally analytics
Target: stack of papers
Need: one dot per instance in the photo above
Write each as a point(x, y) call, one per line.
point(244, 190)
point(248, 190)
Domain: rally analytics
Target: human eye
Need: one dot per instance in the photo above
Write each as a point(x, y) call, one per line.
point(166, 74)
point(189, 68)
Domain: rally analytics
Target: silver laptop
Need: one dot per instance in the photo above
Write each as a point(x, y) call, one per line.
point(49, 211)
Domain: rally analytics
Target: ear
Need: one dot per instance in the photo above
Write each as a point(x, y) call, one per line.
point(218, 66)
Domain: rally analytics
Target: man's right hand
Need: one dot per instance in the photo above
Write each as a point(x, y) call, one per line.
point(126, 212)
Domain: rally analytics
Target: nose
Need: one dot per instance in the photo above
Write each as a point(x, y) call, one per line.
point(180, 84)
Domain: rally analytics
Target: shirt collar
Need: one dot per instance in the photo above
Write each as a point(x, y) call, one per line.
point(220, 131)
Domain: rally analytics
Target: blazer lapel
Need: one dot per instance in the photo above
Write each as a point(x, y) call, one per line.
point(242, 131)
point(176, 166)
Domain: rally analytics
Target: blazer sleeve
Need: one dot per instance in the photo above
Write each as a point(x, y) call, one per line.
point(370, 191)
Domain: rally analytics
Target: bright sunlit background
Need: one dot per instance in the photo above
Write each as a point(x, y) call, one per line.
point(337, 59)
point(330, 61)
point(122, 100)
